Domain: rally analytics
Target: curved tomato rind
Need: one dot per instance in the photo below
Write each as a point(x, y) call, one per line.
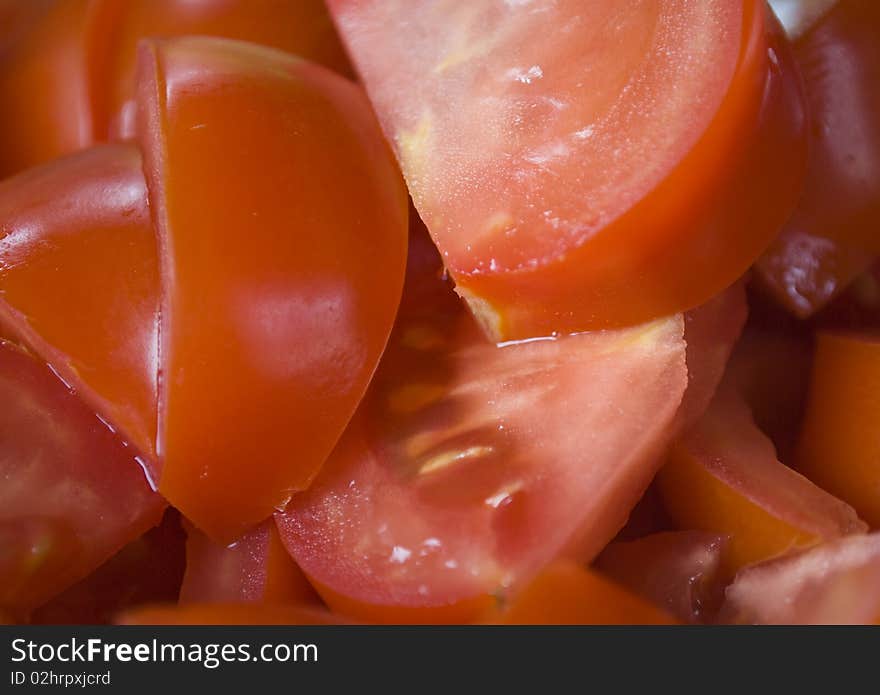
point(526, 155)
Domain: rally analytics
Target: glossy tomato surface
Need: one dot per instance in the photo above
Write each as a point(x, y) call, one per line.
point(586, 165)
point(281, 219)
point(72, 493)
point(469, 466)
point(832, 235)
point(68, 76)
point(79, 282)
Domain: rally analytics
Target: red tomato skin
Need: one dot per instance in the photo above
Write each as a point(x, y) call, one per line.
point(73, 494)
point(79, 282)
point(279, 336)
point(255, 568)
point(68, 81)
point(676, 247)
point(831, 236)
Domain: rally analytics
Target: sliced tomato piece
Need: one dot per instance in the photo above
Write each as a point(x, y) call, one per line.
point(681, 572)
point(839, 447)
point(710, 331)
point(832, 235)
point(147, 570)
point(229, 614)
point(835, 583)
point(302, 27)
point(72, 494)
point(79, 282)
point(256, 567)
point(69, 80)
point(522, 129)
point(271, 186)
point(470, 466)
point(568, 594)
point(723, 476)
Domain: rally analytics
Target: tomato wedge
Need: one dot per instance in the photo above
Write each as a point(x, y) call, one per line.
point(567, 594)
point(723, 476)
point(835, 583)
point(470, 466)
point(72, 494)
point(79, 282)
point(586, 165)
point(256, 567)
point(68, 80)
point(679, 571)
point(839, 447)
point(270, 187)
point(832, 235)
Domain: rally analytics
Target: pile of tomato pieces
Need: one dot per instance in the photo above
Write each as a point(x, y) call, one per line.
point(616, 361)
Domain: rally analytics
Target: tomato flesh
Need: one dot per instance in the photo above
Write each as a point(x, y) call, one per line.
point(835, 583)
point(832, 235)
point(579, 165)
point(270, 185)
point(470, 466)
point(723, 476)
point(72, 494)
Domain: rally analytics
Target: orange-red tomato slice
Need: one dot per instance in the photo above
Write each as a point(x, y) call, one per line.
point(79, 282)
point(229, 614)
point(72, 494)
point(586, 165)
point(680, 571)
point(256, 567)
point(567, 594)
point(282, 232)
point(832, 235)
point(469, 466)
point(835, 583)
point(69, 78)
point(723, 476)
point(839, 446)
